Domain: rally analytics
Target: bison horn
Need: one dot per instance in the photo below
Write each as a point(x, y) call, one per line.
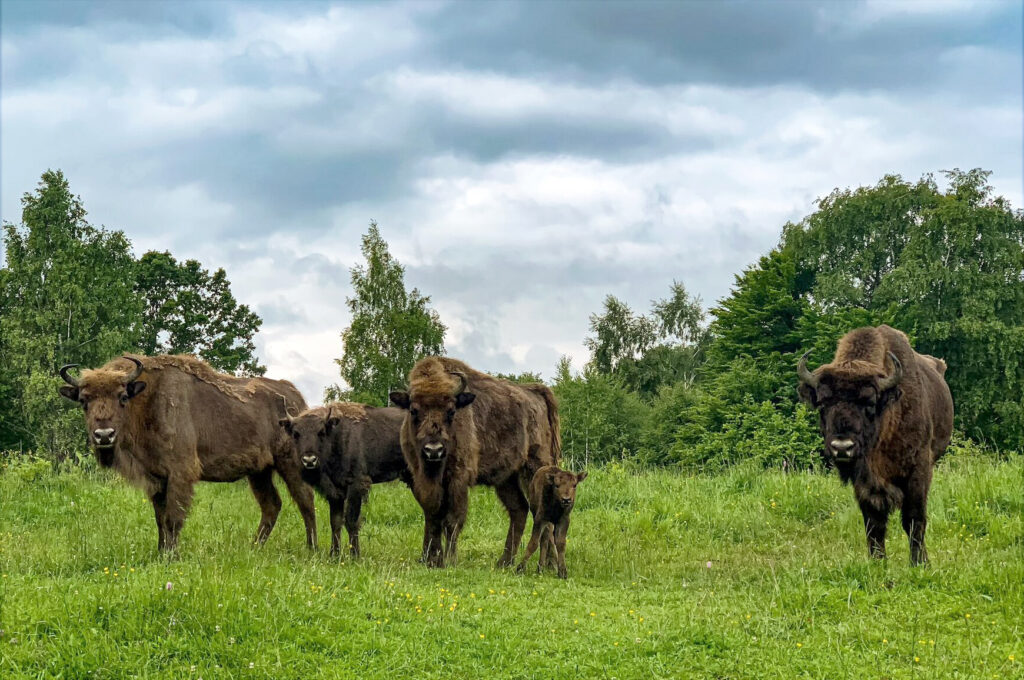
point(69, 379)
point(463, 382)
point(284, 402)
point(138, 369)
point(893, 380)
point(806, 376)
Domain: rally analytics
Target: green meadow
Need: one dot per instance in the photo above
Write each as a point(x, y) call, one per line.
point(746, 574)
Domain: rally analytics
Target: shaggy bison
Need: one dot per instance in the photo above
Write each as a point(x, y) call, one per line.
point(344, 448)
point(463, 427)
point(886, 415)
point(167, 422)
point(552, 497)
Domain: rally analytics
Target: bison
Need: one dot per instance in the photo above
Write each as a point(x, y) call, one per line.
point(552, 497)
point(463, 427)
point(344, 448)
point(166, 422)
point(886, 415)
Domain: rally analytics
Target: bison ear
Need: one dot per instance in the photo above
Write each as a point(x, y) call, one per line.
point(331, 423)
point(286, 423)
point(581, 476)
point(808, 394)
point(400, 399)
point(135, 388)
point(464, 399)
point(69, 392)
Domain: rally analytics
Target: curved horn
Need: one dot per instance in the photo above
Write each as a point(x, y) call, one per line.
point(463, 382)
point(69, 379)
point(284, 402)
point(893, 380)
point(138, 369)
point(806, 376)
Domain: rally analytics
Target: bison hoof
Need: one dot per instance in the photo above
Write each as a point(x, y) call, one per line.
point(562, 573)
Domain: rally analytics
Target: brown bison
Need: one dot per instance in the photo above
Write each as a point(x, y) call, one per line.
point(552, 497)
point(886, 415)
point(344, 448)
point(167, 422)
point(464, 427)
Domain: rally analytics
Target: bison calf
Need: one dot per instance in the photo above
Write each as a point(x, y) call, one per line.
point(552, 496)
point(344, 448)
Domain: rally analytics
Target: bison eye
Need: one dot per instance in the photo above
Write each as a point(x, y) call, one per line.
point(450, 414)
point(295, 435)
point(415, 413)
point(123, 399)
point(85, 405)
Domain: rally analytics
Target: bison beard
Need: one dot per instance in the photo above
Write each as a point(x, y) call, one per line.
point(886, 416)
point(187, 423)
point(463, 427)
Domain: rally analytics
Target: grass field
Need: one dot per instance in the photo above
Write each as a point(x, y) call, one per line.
point(748, 574)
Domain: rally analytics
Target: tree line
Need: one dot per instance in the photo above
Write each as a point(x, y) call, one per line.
point(677, 385)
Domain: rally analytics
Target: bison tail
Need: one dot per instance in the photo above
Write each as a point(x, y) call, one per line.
point(555, 424)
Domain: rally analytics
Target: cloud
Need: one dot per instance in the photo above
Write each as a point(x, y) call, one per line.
point(523, 159)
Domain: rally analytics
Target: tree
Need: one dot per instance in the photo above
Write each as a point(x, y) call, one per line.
point(648, 351)
point(67, 298)
point(187, 310)
point(391, 328)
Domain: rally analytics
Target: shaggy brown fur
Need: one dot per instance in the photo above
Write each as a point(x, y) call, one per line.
point(344, 448)
point(552, 497)
point(180, 422)
point(488, 431)
point(883, 438)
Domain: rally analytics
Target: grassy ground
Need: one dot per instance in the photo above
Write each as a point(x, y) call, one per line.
point(749, 574)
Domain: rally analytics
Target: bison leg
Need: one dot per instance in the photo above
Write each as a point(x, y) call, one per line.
point(262, 485)
point(337, 519)
point(454, 521)
point(558, 543)
point(547, 547)
point(432, 547)
point(531, 547)
point(913, 516)
point(179, 499)
point(511, 496)
point(302, 494)
point(353, 519)
point(159, 501)
point(876, 522)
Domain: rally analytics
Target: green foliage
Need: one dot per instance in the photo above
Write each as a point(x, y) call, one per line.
point(523, 378)
point(645, 352)
point(391, 328)
point(187, 310)
point(601, 419)
point(74, 293)
point(68, 299)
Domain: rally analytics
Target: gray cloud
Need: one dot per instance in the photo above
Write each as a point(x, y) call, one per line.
point(523, 159)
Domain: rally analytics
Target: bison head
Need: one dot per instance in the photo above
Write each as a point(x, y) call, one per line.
point(104, 396)
point(562, 484)
point(850, 405)
point(432, 416)
point(309, 432)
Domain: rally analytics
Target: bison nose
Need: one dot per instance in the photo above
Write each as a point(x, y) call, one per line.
point(841, 447)
point(103, 437)
point(433, 451)
point(310, 462)
point(566, 501)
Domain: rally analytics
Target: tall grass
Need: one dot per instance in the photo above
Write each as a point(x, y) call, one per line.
point(745, 574)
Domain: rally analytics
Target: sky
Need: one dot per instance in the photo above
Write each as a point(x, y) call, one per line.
point(522, 159)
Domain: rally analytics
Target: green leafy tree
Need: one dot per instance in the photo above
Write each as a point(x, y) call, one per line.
point(391, 328)
point(648, 351)
point(67, 298)
point(188, 310)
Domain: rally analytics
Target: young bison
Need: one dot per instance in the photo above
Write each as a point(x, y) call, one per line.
point(552, 495)
point(344, 448)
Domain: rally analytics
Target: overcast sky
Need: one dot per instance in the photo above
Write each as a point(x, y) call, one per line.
point(523, 159)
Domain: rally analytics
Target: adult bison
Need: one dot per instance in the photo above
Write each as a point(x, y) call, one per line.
point(166, 422)
point(345, 448)
point(464, 427)
point(886, 415)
